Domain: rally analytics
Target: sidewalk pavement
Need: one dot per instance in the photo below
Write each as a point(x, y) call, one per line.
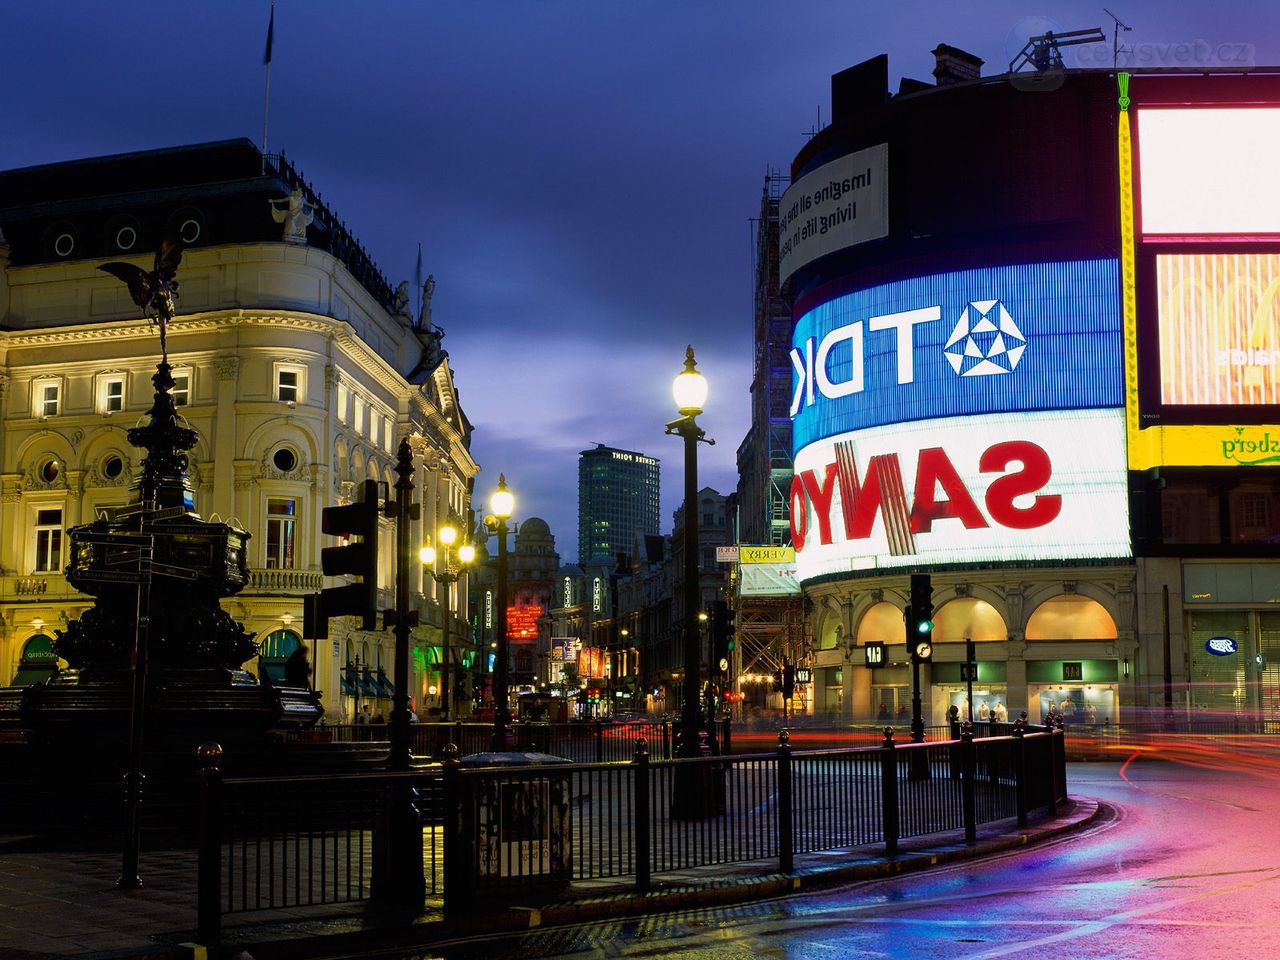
point(66, 904)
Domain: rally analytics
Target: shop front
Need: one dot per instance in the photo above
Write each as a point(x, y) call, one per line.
point(1083, 692)
point(990, 693)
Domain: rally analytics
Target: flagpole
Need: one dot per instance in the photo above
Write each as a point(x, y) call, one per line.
point(417, 282)
point(266, 93)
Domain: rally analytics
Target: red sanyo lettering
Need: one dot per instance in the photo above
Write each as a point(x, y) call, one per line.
point(1035, 473)
point(939, 494)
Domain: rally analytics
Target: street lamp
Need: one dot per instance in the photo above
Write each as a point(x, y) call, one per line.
point(503, 504)
point(455, 563)
point(690, 391)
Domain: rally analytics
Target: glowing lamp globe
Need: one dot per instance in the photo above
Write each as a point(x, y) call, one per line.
point(690, 387)
point(502, 502)
point(467, 553)
point(427, 555)
point(448, 535)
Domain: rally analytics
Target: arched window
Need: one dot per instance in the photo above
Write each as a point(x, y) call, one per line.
point(883, 623)
point(37, 662)
point(968, 618)
point(831, 634)
point(1070, 616)
point(275, 650)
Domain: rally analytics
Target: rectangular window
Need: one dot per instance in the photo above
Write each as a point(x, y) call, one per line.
point(47, 397)
point(49, 540)
point(386, 434)
point(181, 389)
point(281, 516)
point(113, 395)
point(357, 424)
point(373, 428)
point(343, 393)
point(288, 384)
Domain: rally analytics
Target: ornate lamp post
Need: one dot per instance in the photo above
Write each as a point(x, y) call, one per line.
point(503, 504)
point(690, 391)
point(455, 563)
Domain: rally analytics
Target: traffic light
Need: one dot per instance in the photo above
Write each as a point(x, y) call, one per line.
point(722, 642)
point(461, 686)
point(920, 618)
point(360, 559)
point(788, 681)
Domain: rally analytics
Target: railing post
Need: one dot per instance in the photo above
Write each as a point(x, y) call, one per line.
point(599, 741)
point(1059, 766)
point(455, 844)
point(1020, 770)
point(889, 793)
point(640, 806)
point(786, 848)
point(209, 864)
point(968, 770)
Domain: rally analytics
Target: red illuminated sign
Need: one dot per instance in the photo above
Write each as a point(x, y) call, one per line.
point(522, 622)
point(939, 493)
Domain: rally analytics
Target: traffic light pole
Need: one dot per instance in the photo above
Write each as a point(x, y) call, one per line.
point(399, 886)
point(403, 624)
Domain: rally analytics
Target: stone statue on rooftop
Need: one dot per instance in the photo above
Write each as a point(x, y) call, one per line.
point(400, 302)
point(296, 215)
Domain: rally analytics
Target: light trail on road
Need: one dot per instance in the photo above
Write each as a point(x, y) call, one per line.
point(1184, 866)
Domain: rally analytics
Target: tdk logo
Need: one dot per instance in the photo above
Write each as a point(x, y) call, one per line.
point(984, 342)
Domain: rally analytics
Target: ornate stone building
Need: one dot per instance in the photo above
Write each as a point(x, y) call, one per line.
point(296, 361)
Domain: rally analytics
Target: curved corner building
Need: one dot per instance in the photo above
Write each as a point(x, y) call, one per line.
point(1036, 351)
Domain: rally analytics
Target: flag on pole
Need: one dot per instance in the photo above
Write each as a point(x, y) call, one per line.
point(271, 33)
point(417, 280)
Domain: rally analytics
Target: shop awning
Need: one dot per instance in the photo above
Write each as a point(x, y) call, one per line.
point(28, 675)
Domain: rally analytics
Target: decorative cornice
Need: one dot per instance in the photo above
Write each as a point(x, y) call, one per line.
point(143, 329)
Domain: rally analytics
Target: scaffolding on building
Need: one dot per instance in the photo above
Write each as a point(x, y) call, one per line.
point(770, 630)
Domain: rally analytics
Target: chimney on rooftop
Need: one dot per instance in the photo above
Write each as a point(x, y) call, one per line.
point(954, 65)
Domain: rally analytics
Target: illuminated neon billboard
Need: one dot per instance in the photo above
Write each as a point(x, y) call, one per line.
point(1014, 487)
point(969, 416)
point(1042, 336)
point(1201, 236)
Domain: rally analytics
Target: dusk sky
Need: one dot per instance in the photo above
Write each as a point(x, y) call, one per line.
point(581, 175)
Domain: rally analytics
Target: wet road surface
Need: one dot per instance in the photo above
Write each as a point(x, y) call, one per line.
point(1188, 866)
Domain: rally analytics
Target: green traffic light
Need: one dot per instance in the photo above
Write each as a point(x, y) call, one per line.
point(924, 626)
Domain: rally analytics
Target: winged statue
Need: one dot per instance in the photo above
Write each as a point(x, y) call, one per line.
point(155, 291)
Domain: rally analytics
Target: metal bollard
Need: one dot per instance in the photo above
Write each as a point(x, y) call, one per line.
point(640, 806)
point(454, 822)
point(968, 768)
point(209, 868)
point(889, 793)
point(1020, 770)
point(786, 839)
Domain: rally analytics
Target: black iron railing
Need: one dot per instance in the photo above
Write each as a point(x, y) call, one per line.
point(309, 841)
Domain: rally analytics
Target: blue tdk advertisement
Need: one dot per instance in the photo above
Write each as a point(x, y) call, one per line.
point(1036, 336)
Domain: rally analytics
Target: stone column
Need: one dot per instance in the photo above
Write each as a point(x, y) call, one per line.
point(227, 370)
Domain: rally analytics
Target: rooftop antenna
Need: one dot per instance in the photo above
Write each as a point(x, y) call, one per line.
point(1044, 53)
point(1116, 49)
point(813, 131)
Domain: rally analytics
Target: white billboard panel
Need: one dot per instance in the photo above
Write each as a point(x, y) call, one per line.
point(841, 204)
point(1208, 170)
point(768, 580)
point(1005, 487)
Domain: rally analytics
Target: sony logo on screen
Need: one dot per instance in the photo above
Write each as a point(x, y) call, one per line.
point(984, 341)
point(940, 493)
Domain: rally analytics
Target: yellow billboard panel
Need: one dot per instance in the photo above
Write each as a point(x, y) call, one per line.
point(766, 554)
point(1219, 335)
